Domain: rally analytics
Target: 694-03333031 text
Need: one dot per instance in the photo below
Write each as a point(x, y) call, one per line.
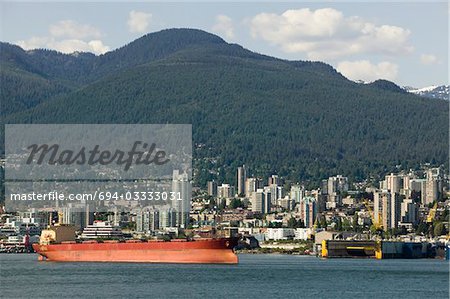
point(98, 195)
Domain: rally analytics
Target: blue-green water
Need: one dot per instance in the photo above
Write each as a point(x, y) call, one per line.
point(258, 276)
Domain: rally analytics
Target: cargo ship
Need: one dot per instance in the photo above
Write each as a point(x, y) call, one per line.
point(58, 244)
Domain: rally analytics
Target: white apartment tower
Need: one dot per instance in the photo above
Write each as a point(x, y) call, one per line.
point(181, 186)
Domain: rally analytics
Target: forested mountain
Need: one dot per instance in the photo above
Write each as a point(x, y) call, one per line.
point(302, 120)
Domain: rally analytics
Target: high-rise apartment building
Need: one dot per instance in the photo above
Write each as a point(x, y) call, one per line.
point(182, 188)
point(261, 201)
point(241, 177)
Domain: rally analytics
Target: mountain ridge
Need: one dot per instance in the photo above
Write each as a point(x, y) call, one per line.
point(302, 120)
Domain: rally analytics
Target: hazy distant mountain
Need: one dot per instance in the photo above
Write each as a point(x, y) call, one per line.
point(300, 119)
point(434, 91)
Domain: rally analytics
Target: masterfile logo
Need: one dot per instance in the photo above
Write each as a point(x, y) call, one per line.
point(53, 155)
point(107, 164)
point(96, 152)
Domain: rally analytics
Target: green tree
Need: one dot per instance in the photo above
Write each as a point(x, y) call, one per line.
point(373, 229)
point(236, 203)
point(422, 228)
point(212, 202)
point(222, 205)
point(346, 226)
point(339, 224)
point(323, 223)
point(439, 229)
point(292, 223)
point(355, 221)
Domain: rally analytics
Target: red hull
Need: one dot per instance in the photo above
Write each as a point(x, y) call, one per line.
point(207, 251)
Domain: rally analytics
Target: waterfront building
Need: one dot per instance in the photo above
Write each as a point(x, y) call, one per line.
point(78, 215)
point(147, 220)
point(279, 234)
point(115, 218)
point(302, 233)
point(17, 227)
point(168, 217)
point(33, 216)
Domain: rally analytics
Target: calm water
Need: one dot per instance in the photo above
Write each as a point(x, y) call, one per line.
point(259, 276)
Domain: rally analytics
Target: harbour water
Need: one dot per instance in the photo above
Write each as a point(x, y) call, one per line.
point(256, 276)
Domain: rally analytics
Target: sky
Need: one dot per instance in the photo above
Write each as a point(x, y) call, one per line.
point(404, 42)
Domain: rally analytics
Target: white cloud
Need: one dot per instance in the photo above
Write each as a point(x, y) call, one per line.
point(224, 26)
point(76, 45)
point(64, 46)
point(73, 30)
point(138, 21)
point(67, 37)
point(97, 46)
point(327, 33)
point(428, 59)
point(366, 71)
point(34, 42)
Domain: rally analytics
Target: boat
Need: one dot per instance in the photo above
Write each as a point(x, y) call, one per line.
point(56, 245)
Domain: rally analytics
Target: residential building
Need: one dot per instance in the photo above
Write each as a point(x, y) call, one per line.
point(409, 211)
point(241, 178)
point(381, 198)
point(302, 233)
point(261, 201)
point(434, 185)
point(212, 188)
point(251, 185)
point(147, 220)
point(334, 187)
point(395, 209)
point(181, 186)
point(279, 233)
point(225, 191)
point(274, 180)
point(297, 193)
point(394, 183)
point(308, 210)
